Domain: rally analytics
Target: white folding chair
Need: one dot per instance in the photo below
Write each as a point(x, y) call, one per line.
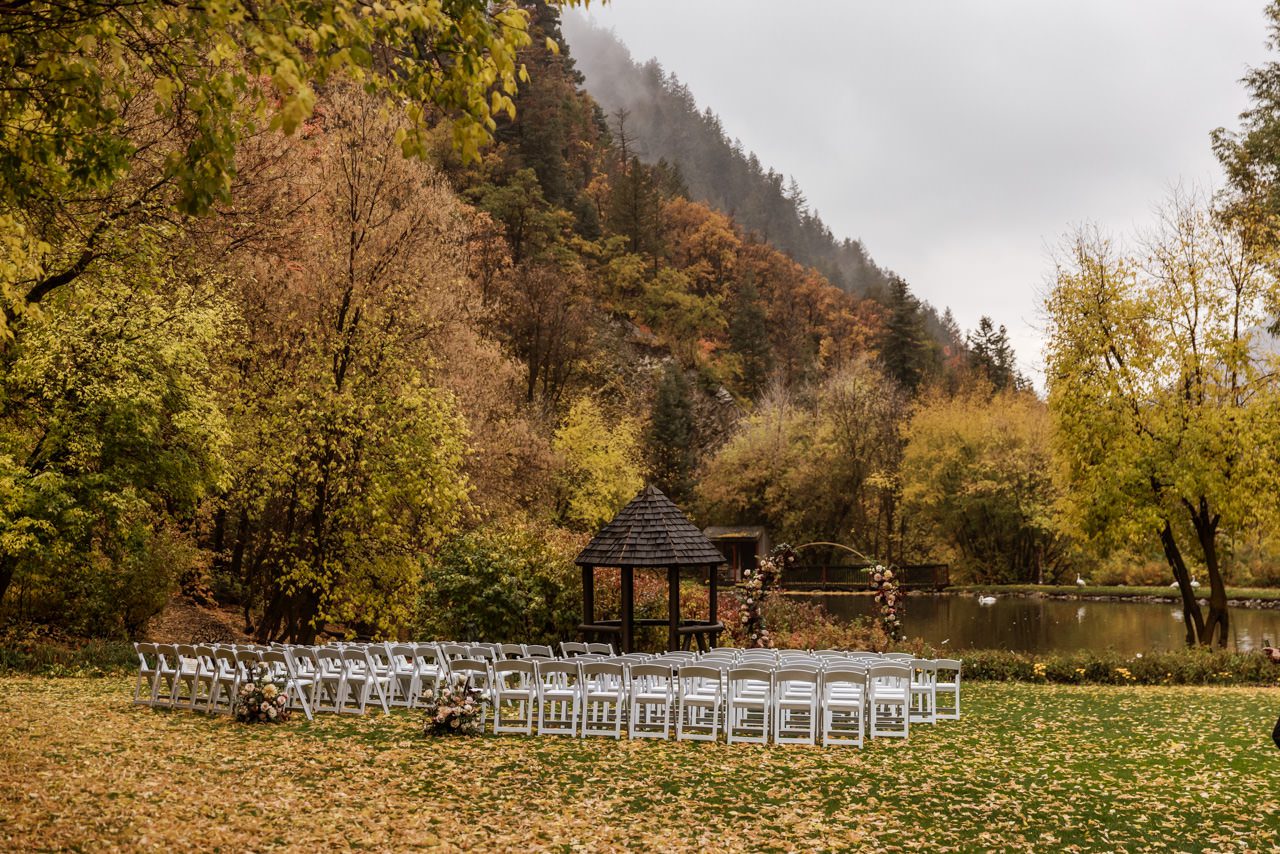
point(844, 691)
point(701, 695)
point(888, 699)
point(559, 700)
point(604, 697)
point(188, 676)
point(924, 702)
point(515, 691)
point(226, 682)
point(430, 669)
point(750, 699)
point(168, 672)
point(482, 651)
point(681, 654)
point(329, 689)
point(795, 705)
point(511, 650)
point(384, 666)
point(568, 649)
point(299, 688)
point(600, 648)
point(651, 695)
point(537, 650)
point(451, 651)
point(403, 668)
point(946, 689)
point(361, 680)
point(206, 673)
point(148, 672)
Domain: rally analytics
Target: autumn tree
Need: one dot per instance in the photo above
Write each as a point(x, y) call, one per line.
point(120, 114)
point(1164, 393)
point(977, 470)
point(816, 465)
point(599, 469)
point(1250, 156)
point(348, 459)
point(111, 436)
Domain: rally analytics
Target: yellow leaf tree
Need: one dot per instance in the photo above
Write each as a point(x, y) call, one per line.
point(1162, 385)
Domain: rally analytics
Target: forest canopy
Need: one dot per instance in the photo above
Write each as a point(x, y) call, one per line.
point(303, 321)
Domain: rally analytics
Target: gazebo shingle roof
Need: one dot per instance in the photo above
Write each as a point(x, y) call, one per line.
point(650, 531)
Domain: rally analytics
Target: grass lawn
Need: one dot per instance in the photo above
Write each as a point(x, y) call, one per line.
point(1029, 766)
point(1266, 594)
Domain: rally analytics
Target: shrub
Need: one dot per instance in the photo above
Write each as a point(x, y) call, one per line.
point(35, 651)
point(796, 624)
point(512, 584)
point(1196, 666)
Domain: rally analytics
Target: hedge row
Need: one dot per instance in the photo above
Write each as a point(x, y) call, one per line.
point(46, 657)
point(1180, 667)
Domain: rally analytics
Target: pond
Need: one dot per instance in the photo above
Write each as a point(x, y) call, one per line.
point(1025, 624)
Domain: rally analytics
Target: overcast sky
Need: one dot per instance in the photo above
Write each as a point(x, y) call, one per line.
point(960, 139)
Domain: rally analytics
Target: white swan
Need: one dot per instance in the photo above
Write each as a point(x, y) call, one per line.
point(1173, 584)
point(1079, 581)
point(1195, 583)
point(986, 600)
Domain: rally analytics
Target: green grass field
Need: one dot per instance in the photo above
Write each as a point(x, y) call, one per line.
point(1266, 594)
point(1028, 767)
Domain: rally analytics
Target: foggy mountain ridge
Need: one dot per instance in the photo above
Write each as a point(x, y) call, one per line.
point(663, 118)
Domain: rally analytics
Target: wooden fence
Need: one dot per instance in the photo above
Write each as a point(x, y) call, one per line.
point(814, 576)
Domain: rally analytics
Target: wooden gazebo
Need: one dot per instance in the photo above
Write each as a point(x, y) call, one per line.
point(649, 533)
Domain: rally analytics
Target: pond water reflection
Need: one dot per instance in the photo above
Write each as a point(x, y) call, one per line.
point(1028, 624)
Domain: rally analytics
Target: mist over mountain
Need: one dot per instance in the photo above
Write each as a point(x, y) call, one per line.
point(662, 117)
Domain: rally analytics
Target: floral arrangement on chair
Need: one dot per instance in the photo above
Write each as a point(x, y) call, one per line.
point(456, 709)
point(261, 699)
point(888, 601)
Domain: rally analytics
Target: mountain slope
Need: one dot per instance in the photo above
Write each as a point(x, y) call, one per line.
point(663, 117)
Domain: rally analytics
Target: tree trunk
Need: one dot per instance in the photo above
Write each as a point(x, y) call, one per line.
point(6, 576)
point(1206, 525)
point(1191, 616)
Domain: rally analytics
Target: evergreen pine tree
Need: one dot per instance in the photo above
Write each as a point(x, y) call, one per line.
point(904, 346)
point(670, 436)
point(749, 339)
point(635, 207)
point(992, 355)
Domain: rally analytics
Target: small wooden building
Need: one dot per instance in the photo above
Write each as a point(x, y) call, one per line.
point(650, 533)
point(742, 546)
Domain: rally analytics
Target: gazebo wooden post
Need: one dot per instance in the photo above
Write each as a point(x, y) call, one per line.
point(673, 608)
point(588, 596)
point(714, 604)
point(628, 608)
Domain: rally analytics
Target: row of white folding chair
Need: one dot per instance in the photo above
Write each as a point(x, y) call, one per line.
point(206, 677)
point(930, 678)
point(752, 703)
point(315, 679)
point(790, 704)
point(165, 670)
point(583, 695)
